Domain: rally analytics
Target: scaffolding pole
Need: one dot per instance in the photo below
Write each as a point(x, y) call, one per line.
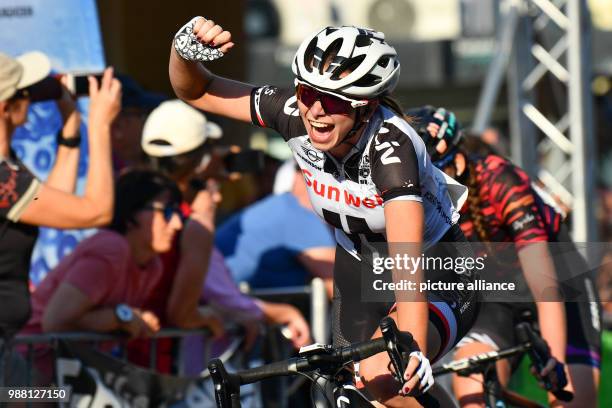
point(551, 136)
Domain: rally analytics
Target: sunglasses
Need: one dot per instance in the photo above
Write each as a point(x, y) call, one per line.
point(332, 104)
point(168, 210)
point(21, 94)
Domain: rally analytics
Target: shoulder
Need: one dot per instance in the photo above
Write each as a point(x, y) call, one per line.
point(107, 245)
point(269, 99)
point(395, 131)
point(500, 170)
point(18, 187)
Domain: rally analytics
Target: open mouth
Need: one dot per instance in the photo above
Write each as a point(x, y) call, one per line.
point(321, 131)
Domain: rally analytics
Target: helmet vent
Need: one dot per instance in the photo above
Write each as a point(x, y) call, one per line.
point(329, 55)
point(309, 60)
point(348, 66)
point(383, 62)
point(363, 41)
point(368, 80)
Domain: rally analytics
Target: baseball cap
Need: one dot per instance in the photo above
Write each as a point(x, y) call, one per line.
point(174, 128)
point(21, 72)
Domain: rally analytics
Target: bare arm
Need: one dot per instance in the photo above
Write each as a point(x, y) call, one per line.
point(196, 85)
point(55, 208)
point(320, 263)
point(72, 310)
point(539, 271)
point(63, 175)
point(287, 315)
point(406, 238)
point(196, 246)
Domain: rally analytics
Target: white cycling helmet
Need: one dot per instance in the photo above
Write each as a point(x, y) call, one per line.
point(372, 64)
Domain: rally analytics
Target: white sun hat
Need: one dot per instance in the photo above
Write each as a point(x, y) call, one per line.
point(174, 128)
point(21, 72)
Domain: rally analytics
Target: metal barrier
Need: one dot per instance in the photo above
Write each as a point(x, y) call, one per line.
point(52, 339)
point(319, 328)
point(319, 319)
point(319, 323)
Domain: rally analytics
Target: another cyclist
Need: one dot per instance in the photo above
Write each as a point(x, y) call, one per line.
point(367, 172)
point(504, 207)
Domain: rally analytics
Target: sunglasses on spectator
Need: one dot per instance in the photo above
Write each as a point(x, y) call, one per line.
point(21, 94)
point(168, 210)
point(332, 104)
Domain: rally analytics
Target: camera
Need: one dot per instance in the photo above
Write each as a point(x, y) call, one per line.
point(50, 88)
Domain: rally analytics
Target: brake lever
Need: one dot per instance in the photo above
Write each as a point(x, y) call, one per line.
point(539, 353)
point(394, 340)
point(225, 389)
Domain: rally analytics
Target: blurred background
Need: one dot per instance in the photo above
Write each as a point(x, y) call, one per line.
point(448, 48)
point(534, 77)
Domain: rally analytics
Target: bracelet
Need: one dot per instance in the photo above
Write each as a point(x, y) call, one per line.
point(189, 48)
point(71, 143)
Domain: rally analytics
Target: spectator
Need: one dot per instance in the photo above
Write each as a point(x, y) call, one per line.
point(136, 104)
point(103, 285)
point(284, 250)
point(26, 202)
point(175, 136)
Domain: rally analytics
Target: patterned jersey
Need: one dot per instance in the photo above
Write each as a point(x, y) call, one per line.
point(512, 210)
point(389, 162)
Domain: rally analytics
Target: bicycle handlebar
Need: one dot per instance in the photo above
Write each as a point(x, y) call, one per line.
point(325, 358)
point(534, 345)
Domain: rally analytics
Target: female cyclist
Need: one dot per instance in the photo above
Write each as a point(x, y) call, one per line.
point(367, 174)
point(503, 206)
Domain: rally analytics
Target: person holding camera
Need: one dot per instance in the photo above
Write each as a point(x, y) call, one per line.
point(26, 202)
point(177, 137)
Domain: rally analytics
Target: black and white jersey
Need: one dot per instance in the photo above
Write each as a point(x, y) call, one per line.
point(388, 163)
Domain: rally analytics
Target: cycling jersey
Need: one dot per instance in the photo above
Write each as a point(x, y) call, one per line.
point(514, 212)
point(507, 204)
point(389, 162)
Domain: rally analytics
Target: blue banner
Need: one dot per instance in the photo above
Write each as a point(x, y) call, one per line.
point(68, 32)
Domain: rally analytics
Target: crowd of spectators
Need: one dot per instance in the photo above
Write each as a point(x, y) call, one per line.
point(158, 259)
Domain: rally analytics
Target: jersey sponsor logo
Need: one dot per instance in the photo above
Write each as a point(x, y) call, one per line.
point(364, 169)
point(519, 224)
point(257, 102)
point(290, 108)
point(438, 205)
point(386, 157)
point(313, 155)
point(334, 193)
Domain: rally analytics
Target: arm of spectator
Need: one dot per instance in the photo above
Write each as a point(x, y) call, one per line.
point(63, 175)
point(195, 249)
point(287, 315)
point(72, 310)
point(54, 208)
point(320, 263)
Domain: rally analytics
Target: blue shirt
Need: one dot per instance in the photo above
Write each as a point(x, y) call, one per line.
point(261, 243)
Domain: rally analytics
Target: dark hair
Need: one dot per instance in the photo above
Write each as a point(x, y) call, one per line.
point(180, 166)
point(393, 104)
point(472, 144)
point(135, 189)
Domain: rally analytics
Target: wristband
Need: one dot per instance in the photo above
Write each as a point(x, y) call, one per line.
point(189, 48)
point(71, 143)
